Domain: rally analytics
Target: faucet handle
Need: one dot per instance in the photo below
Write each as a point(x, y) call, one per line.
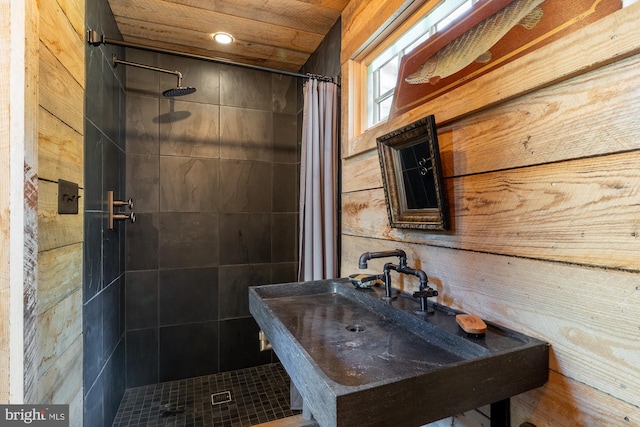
point(425, 293)
point(364, 281)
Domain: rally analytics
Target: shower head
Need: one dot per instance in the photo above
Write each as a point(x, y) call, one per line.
point(179, 91)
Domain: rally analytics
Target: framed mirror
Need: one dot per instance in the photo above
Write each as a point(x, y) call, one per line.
point(412, 176)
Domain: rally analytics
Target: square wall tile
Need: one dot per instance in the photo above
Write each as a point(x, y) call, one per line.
point(246, 134)
point(188, 350)
point(189, 129)
point(245, 88)
point(245, 238)
point(188, 295)
point(245, 186)
point(188, 239)
point(188, 184)
point(234, 287)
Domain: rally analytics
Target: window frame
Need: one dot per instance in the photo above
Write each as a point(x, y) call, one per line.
point(401, 42)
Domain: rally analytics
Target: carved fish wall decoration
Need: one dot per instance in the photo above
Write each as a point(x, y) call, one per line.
point(474, 44)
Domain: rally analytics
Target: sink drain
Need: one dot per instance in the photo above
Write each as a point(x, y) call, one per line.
point(356, 328)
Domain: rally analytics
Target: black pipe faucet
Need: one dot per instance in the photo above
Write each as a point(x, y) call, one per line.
point(402, 267)
point(362, 263)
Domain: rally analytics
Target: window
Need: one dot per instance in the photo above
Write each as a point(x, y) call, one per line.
point(382, 72)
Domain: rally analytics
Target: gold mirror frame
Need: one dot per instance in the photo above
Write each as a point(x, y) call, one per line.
point(399, 208)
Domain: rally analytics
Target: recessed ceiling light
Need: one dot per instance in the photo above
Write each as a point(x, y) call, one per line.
point(223, 38)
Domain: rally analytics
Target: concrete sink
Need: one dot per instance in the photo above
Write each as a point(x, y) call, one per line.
point(360, 361)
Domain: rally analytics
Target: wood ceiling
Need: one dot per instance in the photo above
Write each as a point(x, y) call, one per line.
point(279, 34)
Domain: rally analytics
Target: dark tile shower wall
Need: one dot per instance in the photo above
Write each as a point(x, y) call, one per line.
point(326, 59)
point(103, 276)
point(214, 178)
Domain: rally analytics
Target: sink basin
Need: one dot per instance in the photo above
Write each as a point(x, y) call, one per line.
point(360, 361)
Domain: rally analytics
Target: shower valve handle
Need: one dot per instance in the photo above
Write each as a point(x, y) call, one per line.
point(128, 203)
point(113, 215)
point(130, 216)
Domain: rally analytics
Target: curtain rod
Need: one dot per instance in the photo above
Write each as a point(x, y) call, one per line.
point(95, 40)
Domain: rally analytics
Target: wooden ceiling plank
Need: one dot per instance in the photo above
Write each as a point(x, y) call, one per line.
point(287, 13)
point(185, 41)
point(278, 34)
point(161, 33)
point(333, 4)
point(194, 50)
point(181, 18)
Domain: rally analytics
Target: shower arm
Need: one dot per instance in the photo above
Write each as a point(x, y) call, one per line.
point(178, 74)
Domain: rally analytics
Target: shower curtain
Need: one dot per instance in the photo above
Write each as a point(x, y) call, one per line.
point(318, 182)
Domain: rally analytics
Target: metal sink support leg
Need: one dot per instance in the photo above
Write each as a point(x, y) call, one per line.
point(501, 413)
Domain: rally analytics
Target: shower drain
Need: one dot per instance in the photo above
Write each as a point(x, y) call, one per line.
point(222, 397)
point(356, 328)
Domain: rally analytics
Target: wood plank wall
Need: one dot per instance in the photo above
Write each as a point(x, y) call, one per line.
point(542, 169)
point(18, 189)
point(60, 156)
point(5, 213)
point(30, 203)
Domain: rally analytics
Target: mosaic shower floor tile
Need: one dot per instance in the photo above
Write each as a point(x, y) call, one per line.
point(241, 398)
